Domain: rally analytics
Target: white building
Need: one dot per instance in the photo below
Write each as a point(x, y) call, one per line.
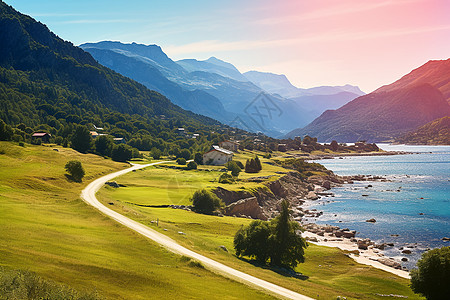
point(230, 145)
point(217, 156)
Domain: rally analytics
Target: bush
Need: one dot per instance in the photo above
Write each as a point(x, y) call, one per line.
point(233, 167)
point(205, 202)
point(184, 153)
point(277, 241)
point(239, 164)
point(21, 144)
point(75, 170)
point(181, 161)
point(191, 166)
point(431, 279)
point(226, 178)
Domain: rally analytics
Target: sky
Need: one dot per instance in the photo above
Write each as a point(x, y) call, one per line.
point(314, 43)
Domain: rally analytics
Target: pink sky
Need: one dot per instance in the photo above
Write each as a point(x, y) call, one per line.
point(367, 43)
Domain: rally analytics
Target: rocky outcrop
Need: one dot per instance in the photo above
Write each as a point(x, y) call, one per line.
point(246, 208)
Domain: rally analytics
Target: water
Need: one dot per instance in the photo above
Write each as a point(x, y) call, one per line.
point(414, 204)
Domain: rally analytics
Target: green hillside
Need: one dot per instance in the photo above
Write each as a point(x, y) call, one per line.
point(436, 132)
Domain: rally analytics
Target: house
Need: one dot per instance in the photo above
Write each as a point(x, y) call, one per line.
point(94, 134)
point(229, 145)
point(119, 140)
point(195, 135)
point(181, 131)
point(43, 136)
point(217, 156)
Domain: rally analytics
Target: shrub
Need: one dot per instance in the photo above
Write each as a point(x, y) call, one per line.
point(253, 165)
point(233, 167)
point(75, 170)
point(181, 161)
point(205, 202)
point(184, 153)
point(192, 165)
point(226, 178)
point(239, 164)
point(21, 144)
point(431, 279)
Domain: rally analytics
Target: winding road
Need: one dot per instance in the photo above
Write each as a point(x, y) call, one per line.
point(88, 195)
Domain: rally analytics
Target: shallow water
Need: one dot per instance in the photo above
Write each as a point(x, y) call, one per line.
point(414, 204)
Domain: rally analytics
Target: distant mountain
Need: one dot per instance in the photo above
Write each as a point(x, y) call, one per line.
point(436, 132)
point(434, 72)
point(45, 80)
point(280, 84)
point(389, 112)
point(212, 65)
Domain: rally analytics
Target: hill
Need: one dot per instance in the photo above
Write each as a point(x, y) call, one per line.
point(213, 65)
point(389, 112)
point(436, 132)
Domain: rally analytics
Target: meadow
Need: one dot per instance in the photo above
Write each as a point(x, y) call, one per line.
point(327, 272)
point(47, 229)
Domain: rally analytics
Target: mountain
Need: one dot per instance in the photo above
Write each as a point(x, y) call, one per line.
point(434, 72)
point(388, 112)
point(280, 84)
point(436, 132)
point(48, 82)
point(212, 65)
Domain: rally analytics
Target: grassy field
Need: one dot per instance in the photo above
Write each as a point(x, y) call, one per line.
point(45, 228)
point(329, 272)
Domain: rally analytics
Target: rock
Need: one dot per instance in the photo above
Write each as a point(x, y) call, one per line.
point(326, 184)
point(390, 244)
point(371, 220)
point(362, 245)
point(369, 186)
point(110, 203)
point(406, 251)
point(312, 196)
point(421, 214)
point(312, 239)
point(395, 235)
point(181, 232)
point(404, 259)
point(446, 239)
point(389, 262)
point(365, 195)
point(55, 150)
point(112, 184)
point(348, 234)
point(223, 248)
point(380, 246)
point(246, 207)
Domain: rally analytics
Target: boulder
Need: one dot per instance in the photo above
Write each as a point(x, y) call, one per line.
point(246, 207)
point(112, 184)
point(371, 220)
point(326, 184)
point(312, 196)
point(446, 239)
point(223, 248)
point(389, 262)
point(406, 251)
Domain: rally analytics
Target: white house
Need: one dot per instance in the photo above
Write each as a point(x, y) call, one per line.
point(217, 156)
point(230, 145)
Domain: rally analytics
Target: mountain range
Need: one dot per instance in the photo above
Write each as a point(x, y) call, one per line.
point(217, 89)
point(417, 98)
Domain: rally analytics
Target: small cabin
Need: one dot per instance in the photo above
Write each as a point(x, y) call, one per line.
point(94, 134)
point(181, 131)
point(217, 156)
point(229, 145)
point(43, 136)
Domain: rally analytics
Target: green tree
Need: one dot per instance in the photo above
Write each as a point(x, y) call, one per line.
point(81, 139)
point(432, 277)
point(181, 161)
point(233, 167)
point(156, 153)
point(6, 131)
point(121, 153)
point(205, 202)
point(258, 163)
point(278, 241)
point(198, 158)
point(103, 145)
point(184, 153)
point(75, 170)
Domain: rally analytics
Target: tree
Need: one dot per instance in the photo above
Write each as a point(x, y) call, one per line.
point(184, 153)
point(253, 165)
point(103, 145)
point(198, 158)
point(278, 241)
point(205, 202)
point(121, 153)
point(432, 277)
point(181, 161)
point(156, 153)
point(6, 131)
point(226, 178)
point(81, 139)
point(75, 170)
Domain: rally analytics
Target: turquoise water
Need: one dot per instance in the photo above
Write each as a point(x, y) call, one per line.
point(414, 204)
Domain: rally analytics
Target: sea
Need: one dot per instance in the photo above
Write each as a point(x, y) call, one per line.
point(411, 209)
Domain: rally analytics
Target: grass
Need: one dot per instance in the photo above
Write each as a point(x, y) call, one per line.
point(330, 273)
point(47, 229)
